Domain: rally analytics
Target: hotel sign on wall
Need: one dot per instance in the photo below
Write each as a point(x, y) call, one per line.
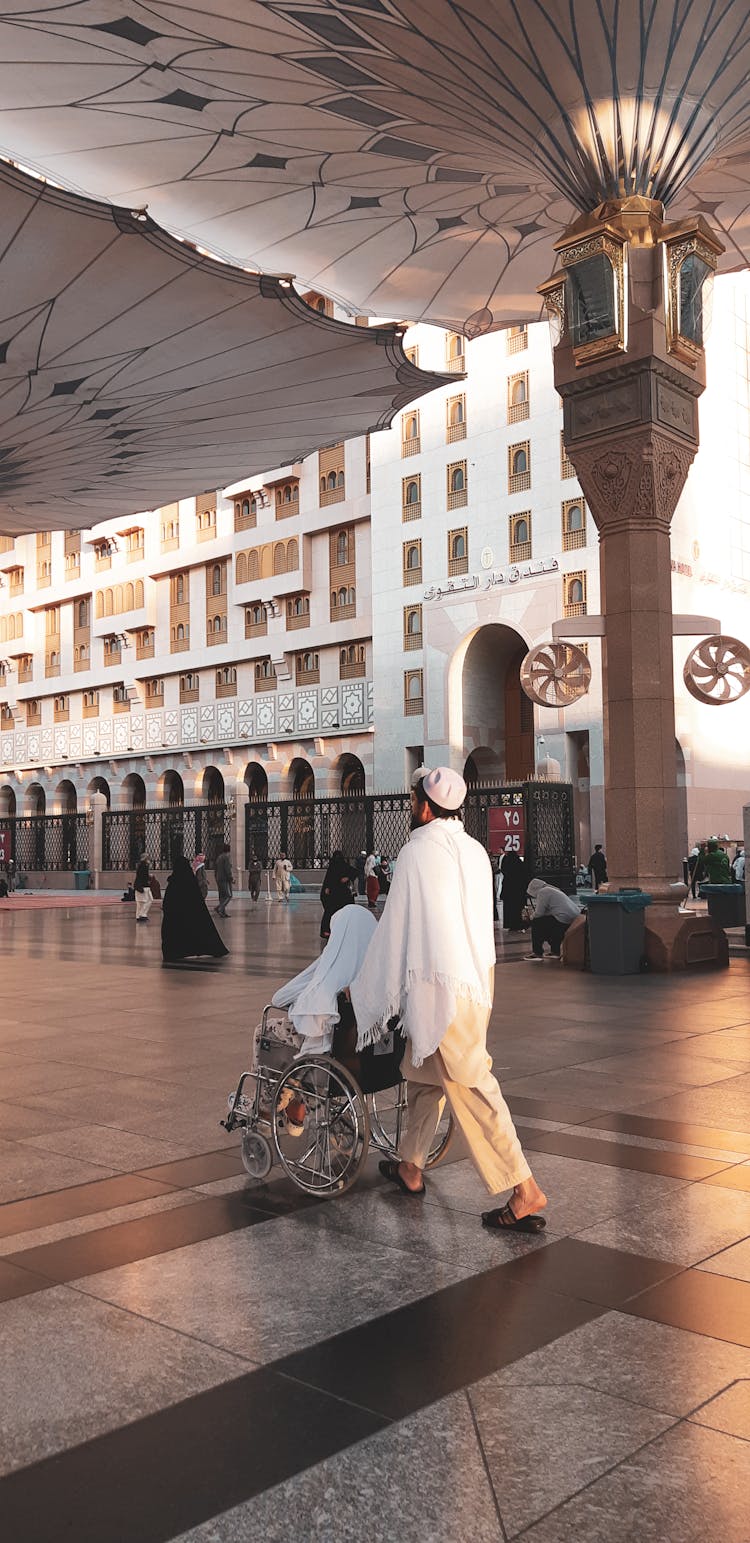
point(515, 573)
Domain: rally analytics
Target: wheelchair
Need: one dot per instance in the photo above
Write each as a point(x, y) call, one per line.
point(318, 1115)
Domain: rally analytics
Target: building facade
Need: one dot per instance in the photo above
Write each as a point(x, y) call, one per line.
point(325, 628)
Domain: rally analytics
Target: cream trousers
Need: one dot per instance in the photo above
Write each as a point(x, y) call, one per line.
point(143, 902)
point(461, 1072)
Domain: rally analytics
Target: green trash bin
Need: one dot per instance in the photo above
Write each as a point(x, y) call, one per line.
point(617, 932)
point(726, 903)
point(81, 878)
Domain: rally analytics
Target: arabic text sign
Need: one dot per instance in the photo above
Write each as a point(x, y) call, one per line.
point(4, 845)
point(506, 831)
point(503, 576)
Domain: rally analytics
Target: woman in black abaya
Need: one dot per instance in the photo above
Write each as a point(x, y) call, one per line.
point(515, 883)
point(186, 928)
point(336, 890)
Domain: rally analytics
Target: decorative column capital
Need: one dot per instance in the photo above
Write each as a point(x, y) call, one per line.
point(634, 482)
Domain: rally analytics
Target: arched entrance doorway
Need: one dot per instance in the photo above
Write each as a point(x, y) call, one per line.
point(212, 786)
point(301, 824)
point(256, 813)
point(482, 766)
point(134, 791)
point(66, 798)
point(352, 775)
point(7, 802)
point(100, 785)
point(35, 804)
point(497, 716)
point(171, 788)
point(133, 797)
point(257, 782)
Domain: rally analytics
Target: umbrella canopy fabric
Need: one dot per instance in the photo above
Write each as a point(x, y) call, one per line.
point(134, 371)
point(411, 159)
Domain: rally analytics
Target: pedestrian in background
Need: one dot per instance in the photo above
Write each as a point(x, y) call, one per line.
point(693, 861)
point(515, 879)
point(553, 914)
point(598, 866)
point(201, 877)
point(282, 877)
point(715, 867)
point(224, 879)
point(142, 887)
point(372, 883)
point(359, 863)
point(187, 930)
point(336, 890)
point(254, 875)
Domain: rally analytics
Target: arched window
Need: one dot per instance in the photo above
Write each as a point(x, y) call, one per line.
point(334, 599)
point(108, 602)
point(292, 556)
point(458, 546)
point(414, 687)
point(253, 504)
point(413, 623)
point(521, 531)
point(456, 414)
point(575, 517)
point(339, 479)
point(458, 480)
point(287, 496)
point(179, 589)
point(241, 568)
point(129, 597)
point(83, 613)
point(351, 595)
point(410, 427)
point(412, 492)
point(331, 481)
point(180, 632)
point(412, 557)
point(342, 548)
point(575, 592)
point(216, 577)
point(295, 494)
point(342, 596)
point(518, 391)
point(520, 462)
point(279, 558)
point(253, 565)
point(323, 485)
point(217, 624)
point(99, 605)
point(139, 593)
point(245, 508)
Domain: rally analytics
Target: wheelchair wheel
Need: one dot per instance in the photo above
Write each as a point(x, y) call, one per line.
point(387, 1111)
point(321, 1129)
point(256, 1154)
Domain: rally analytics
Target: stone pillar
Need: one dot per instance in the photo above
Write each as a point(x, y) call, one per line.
point(632, 486)
point(746, 834)
point(241, 800)
point(98, 806)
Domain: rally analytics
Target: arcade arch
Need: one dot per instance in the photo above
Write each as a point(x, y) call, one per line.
point(7, 801)
point(100, 785)
point(257, 782)
point(133, 791)
point(490, 717)
point(170, 788)
point(65, 797)
point(35, 799)
point(212, 786)
point(351, 773)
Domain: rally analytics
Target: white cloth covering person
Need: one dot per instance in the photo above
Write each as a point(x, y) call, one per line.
point(311, 997)
point(427, 955)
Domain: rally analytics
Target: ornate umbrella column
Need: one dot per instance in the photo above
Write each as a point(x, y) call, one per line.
point(630, 369)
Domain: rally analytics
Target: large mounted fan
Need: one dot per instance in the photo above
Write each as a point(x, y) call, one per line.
point(555, 674)
point(717, 671)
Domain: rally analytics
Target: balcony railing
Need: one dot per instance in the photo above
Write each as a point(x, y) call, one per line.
point(307, 677)
point(332, 496)
point(343, 612)
point(411, 446)
point(256, 629)
point(517, 411)
point(294, 621)
point(518, 481)
point(411, 511)
point(353, 671)
point(454, 432)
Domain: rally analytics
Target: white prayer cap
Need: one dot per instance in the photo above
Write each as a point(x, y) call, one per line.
point(446, 788)
point(416, 776)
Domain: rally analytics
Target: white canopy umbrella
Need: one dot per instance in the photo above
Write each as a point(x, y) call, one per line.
point(414, 160)
point(134, 371)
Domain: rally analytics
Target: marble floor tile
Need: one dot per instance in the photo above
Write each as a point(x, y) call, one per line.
point(25, 1171)
point(726, 1105)
point(542, 1444)
point(421, 1479)
point(669, 1370)
point(676, 1065)
point(382, 1215)
point(600, 1090)
point(734, 1261)
point(119, 1149)
point(71, 1228)
point(694, 1224)
point(624, 1139)
point(728, 1412)
point(689, 1486)
point(273, 1288)
point(97, 1368)
point(579, 1193)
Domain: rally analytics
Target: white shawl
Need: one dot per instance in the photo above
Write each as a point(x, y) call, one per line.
point(310, 997)
point(434, 943)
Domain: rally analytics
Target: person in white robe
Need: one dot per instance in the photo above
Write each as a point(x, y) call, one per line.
point(310, 998)
point(431, 961)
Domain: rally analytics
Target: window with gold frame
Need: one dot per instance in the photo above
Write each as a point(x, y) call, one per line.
point(413, 693)
point(519, 537)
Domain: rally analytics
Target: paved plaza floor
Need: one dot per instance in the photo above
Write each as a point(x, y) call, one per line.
point(188, 1355)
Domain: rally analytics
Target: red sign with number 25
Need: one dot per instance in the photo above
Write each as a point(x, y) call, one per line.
point(506, 831)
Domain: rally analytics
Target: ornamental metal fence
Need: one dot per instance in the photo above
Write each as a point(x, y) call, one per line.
point(534, 819)
point(162, 834)
point(45, 843)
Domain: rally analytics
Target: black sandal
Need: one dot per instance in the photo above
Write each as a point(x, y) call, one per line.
point(504, 1219)
point(389, 1170)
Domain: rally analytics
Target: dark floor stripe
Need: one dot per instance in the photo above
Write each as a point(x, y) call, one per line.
point(15, 1282)
point(589, 1272)
point(722, 1139)
point(714, 1305)
point(165, 1474)
point(64, 1205)
point(206, 1168)
point(417, 1354)
point(89, 1253)
point(674, 1165)
point(552, 1109)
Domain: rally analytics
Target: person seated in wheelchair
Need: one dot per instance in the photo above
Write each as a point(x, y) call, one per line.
point(321, 1015)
